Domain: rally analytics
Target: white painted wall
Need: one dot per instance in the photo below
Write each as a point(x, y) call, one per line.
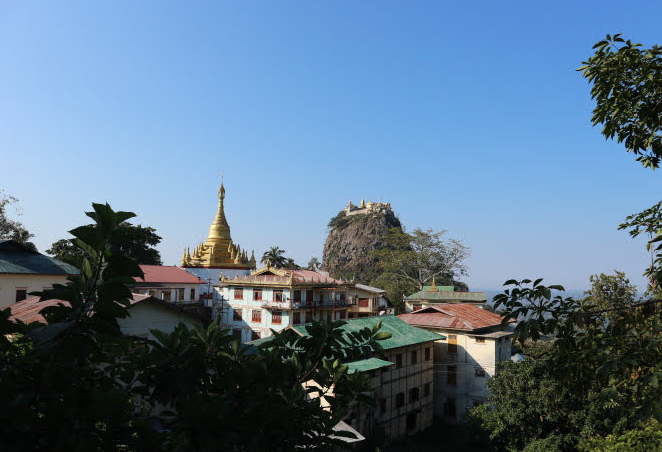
point(148, 315)
point(471, 356)
point(9, 283)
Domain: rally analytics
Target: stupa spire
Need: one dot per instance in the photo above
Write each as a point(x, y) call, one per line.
point(219, 229)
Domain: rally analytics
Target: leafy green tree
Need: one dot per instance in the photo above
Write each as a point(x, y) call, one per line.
point(314, 264)
point(609, 291)
point(649, 223)
point(79, 384)
point(275, 257)
point(529, 405)
point(13, 229)
point(647, 437)
point(291, 265)
point(627, 87)
point(605, 355)
point(140, 246)
point(408, 261)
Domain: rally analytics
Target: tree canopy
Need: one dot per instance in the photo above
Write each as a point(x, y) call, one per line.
point(139, 244)
point(12, 229)
point(275, 257)
point(627, 88)
point(408, 261)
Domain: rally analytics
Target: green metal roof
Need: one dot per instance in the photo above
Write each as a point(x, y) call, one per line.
point(431, 295)
point(17, 259)
point(365, 365)
point(402, 333)
point(439, 288)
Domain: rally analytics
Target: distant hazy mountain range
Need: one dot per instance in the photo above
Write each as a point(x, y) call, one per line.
point(491, 293)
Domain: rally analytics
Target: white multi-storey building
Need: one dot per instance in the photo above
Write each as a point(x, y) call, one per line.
point(271, 298)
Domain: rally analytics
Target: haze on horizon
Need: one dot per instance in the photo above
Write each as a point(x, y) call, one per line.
point(467, 117)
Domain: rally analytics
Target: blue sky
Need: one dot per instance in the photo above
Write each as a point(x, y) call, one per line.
point(465, 116)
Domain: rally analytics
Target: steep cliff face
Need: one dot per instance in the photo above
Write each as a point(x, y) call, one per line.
point(350, 241)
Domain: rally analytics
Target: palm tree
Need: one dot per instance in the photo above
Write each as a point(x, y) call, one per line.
point(314, 264)
point(274, 257)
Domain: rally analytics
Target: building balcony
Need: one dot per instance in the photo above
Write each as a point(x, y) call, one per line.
point(268, 304)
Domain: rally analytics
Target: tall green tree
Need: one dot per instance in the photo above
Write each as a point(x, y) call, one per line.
point(408, 261)
point(626, 83)
point(314, 264)
point(606, 351)
point(140, 245)
point(610, 291)
point(275, 257)
point(13, 229)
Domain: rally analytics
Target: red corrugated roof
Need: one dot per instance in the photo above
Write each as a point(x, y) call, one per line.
point(29, 310)
point(168, 275)
point(456, 316)
point(299, 277)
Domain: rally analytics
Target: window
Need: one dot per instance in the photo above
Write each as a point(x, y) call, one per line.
point(255, 335)
point(426, 390)
point(256, 316)
point(21, 294)
point(398, 360)
point(296, 296)
point(382, 405)
point(309, 296)
point(449, 407)
point(413, 394)
point(343, 315)
point(296, 318)
point(276, 317)
point(480, 340)
point(399, 399)
point(414, 357)
point(427, 354)
point(451, 377)
point(417, 307)
point(165, 295)
point(238, 293)
point(257, 294)
point(278, 295)
point(236, 333)
point(364, 302)
point(192, 294)
point(479, 372)
point(452, 343)
point(411, 421)
point(236, 314)
point(180, 294)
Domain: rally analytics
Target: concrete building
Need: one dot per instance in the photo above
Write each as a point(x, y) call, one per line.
point(401, 379)
point(368, 301)
point(145, 313)
point(271, 298)
point(23, 270)
point(367, 208)
point(472, 342)
point(433, 295)
point(169, 283)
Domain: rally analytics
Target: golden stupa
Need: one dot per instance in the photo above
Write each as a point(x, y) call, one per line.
point(218, 251)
